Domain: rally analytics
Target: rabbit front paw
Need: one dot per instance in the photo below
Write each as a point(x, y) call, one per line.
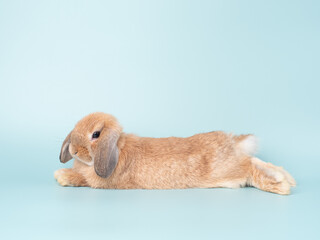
point(63, 177)
point(68, 177)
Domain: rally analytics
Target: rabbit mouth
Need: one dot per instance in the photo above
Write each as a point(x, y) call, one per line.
point(85, 162)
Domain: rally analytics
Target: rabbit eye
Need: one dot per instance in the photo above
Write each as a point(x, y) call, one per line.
point(95, 134)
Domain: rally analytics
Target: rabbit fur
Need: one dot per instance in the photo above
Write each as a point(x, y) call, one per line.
point(116, 160)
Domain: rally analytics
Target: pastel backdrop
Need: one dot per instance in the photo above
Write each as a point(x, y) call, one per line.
point(163, 68)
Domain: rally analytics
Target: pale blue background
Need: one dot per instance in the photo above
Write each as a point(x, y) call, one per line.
point(162, 68)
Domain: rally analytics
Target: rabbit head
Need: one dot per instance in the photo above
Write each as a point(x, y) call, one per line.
point(93, 141)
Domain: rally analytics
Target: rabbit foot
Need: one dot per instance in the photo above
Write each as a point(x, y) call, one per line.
point(62, 178)
point(281, 187)
point(271, 178)
point(68, 177)
point(286, 175)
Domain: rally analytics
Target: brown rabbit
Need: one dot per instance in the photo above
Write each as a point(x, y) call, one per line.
point(105, 157)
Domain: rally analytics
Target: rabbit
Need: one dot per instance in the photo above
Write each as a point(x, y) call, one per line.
point(106, 157)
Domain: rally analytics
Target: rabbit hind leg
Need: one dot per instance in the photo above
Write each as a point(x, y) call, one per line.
point(269, 177)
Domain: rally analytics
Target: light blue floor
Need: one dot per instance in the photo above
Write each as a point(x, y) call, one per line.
point(44, 210)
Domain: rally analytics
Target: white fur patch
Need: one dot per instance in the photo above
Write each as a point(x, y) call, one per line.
point(232, 184)
point(249, 145)
point(87, 163)
point(269, 169)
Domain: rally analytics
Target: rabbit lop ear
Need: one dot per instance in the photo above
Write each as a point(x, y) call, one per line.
point(106, 154)
point(65, 155)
